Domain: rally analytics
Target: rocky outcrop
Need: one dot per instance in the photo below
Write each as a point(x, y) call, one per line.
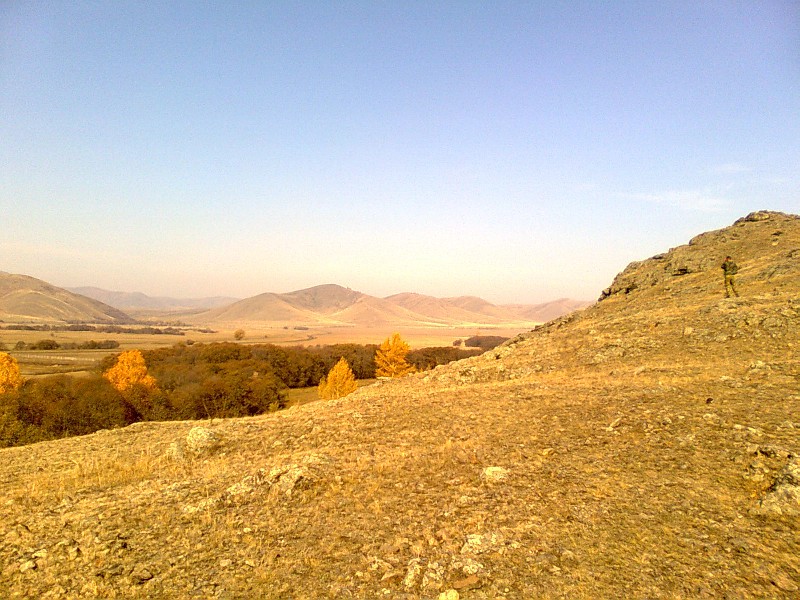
point(744, 240)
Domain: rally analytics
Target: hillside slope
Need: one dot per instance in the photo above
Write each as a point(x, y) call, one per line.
point(646, 447)
point(263, 307)
point(547, 311)
point(26, 299)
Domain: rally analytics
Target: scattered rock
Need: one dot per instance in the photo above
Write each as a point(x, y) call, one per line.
point(202, 441)
point(284, 480)
point(412, 573)
point(468, 566)
point(493, 475)
point(28, 565)
point(245, 486)
point(205, 504)
point(478, 544)
point(176, 451)
point(433, 577)
point(140, 575)
point(783, 496)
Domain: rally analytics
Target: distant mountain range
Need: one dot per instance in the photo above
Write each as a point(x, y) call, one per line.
point(24, 298)
point(332, 304)
point(136, 301)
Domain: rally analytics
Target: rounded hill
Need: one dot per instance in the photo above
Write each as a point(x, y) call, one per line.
point(26, 299)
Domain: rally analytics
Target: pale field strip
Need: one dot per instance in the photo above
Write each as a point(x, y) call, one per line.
point(48, 357)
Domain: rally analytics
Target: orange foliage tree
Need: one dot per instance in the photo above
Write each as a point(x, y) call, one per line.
point(130, 371)
point(10, 379)
point(339, 382)
point(390, 358)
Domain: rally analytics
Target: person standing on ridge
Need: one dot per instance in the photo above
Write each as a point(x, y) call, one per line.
point(729, 270)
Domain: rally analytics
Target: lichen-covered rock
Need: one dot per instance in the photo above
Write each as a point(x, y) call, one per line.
point(783, 496)
point(202, 441)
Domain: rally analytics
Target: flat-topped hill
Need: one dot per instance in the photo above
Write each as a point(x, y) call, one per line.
point(646, 447)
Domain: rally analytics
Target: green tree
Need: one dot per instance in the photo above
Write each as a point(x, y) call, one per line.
point(390, 358)
point(339, 383)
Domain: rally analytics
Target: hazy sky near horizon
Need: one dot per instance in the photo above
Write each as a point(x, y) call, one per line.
point(517, 151)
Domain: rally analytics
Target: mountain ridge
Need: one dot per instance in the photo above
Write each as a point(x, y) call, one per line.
point(334, 304)
point(326, 304)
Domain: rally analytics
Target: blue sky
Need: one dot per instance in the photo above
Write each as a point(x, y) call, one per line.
point(517, 151)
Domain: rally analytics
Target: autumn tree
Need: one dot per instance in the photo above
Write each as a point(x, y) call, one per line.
point(339, 382)
point(390, 358)
point(238, 335)
point(10, 379)
point(130, 371)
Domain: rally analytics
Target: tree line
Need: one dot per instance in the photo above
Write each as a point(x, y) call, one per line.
point(54, 345)
point(188, 381)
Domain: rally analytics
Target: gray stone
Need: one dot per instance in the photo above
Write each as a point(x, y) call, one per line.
point(783, 496)
point(201, 441)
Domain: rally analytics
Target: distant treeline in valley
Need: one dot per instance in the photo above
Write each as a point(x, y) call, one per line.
point(192, 381)
point(147, 330)
point(54, 345)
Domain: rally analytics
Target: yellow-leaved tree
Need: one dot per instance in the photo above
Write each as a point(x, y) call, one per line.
point(10, 379)
point(130, 371)
point(390, 358)
point(339, 382)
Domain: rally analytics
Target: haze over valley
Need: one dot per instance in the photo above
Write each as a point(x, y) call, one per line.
point(24, 298)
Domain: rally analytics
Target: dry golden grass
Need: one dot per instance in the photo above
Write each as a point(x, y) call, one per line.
point(639, 440)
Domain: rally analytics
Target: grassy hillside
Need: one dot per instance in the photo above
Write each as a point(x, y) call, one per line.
point(26, 299)
point(646, 447)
